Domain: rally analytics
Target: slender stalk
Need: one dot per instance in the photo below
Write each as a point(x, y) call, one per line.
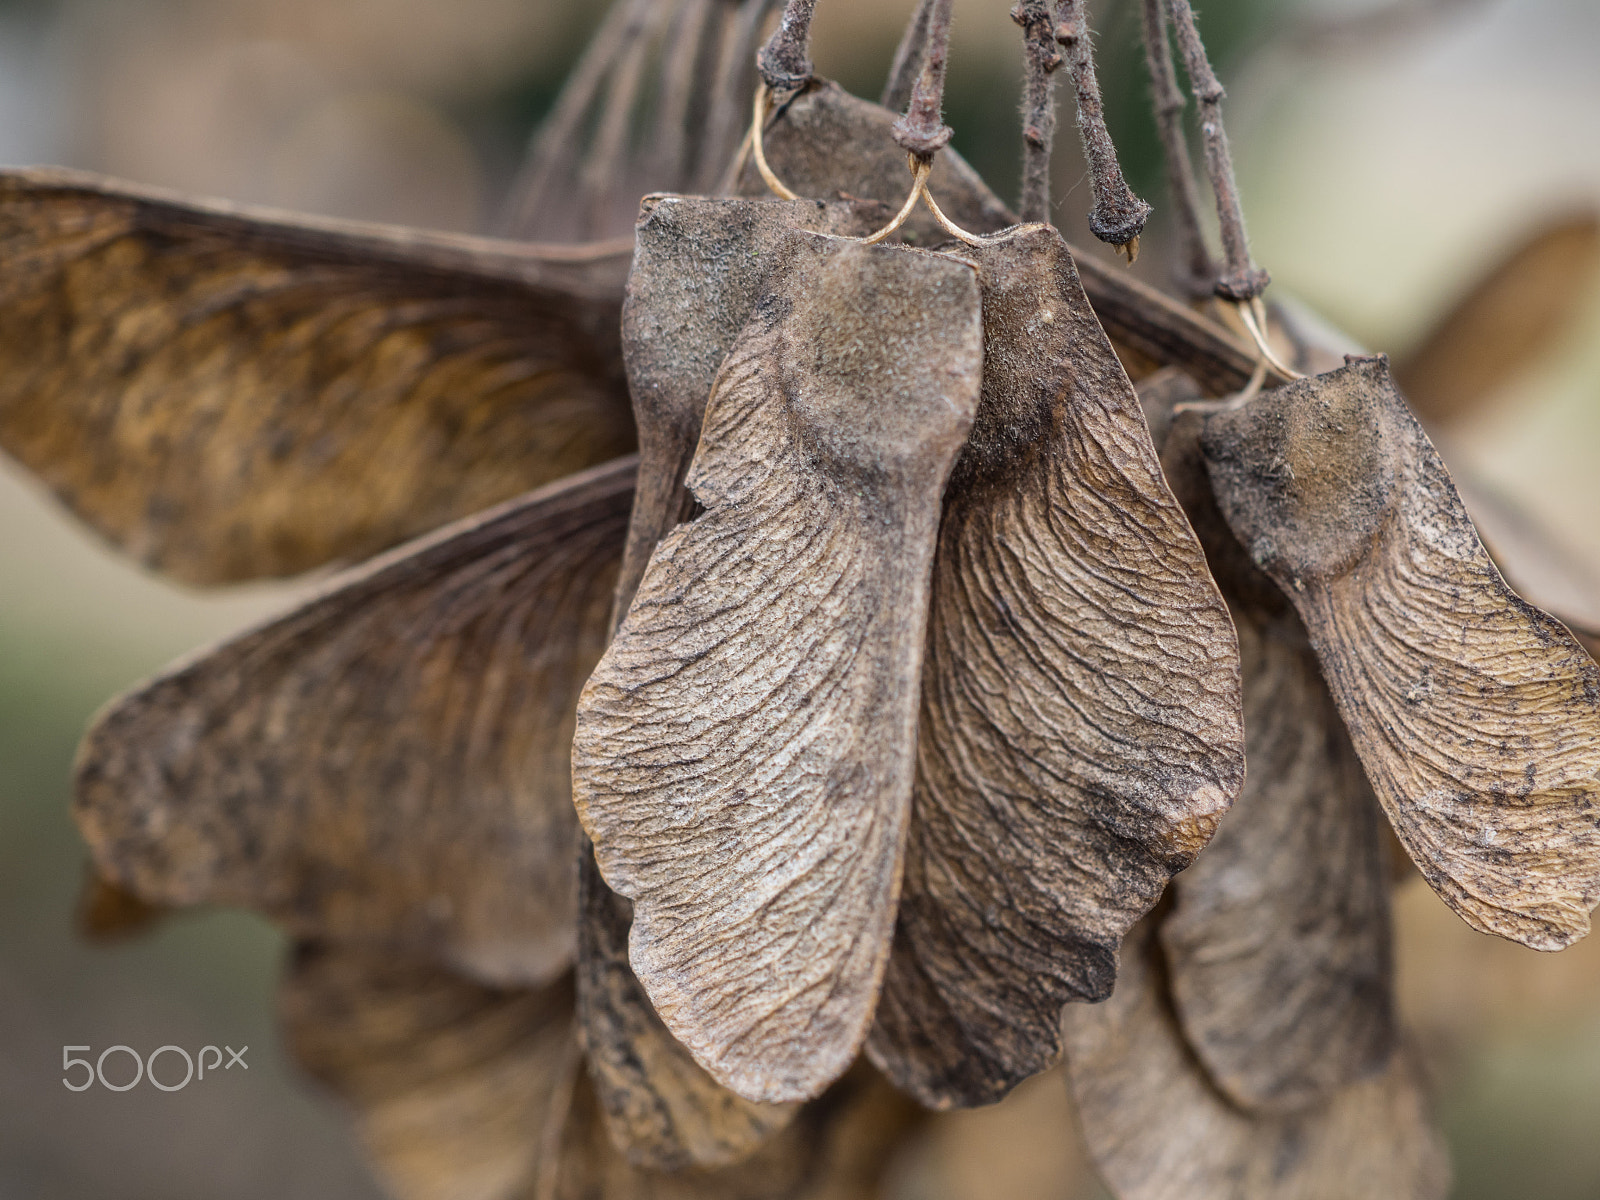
point(1198, 272)
point(922, 130)
point(907, 63)
point(785, 61)
point(1040, 62)
point(1241, 279)
point(1118, 216)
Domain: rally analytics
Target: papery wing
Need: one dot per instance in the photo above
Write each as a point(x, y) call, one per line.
point(1080, 731)
point(389, 763)
point(228, 393)
point(1158, 1131)
point(1476, 715)
point(744, 751)
point(451, 1084)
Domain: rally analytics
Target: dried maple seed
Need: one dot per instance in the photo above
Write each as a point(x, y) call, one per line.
point(245, 395)
point(424, 702)
point(1277, 938)
point(1158, 1131)
point(744, 751)
point(1476, 716)
point(1080, 728)
point(662, 1110)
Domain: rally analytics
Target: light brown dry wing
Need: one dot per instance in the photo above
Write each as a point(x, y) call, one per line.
point(662, 1110)
point(1277, 938)
point(228, 393)
point(1080, 731)
point(1158, 1131)
point(839, 1147)
point(1476, 715)
point(744, 751)
point(451, 1084)
point(1521, 308)
point(828, 144)
point(699, 269)
point(389, 763)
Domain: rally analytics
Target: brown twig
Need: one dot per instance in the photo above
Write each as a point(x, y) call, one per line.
point(1040, 59)
point(922, 130)
point(907, 64)
point(785, 61)
point(1118, 215)
point(1198, 273)
point(1241, 279)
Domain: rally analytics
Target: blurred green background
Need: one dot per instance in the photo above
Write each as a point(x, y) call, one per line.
point(1380, 171)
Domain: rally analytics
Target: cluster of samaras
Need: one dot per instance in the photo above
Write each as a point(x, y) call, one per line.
point(893, 682)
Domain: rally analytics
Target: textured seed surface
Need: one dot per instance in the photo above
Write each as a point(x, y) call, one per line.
point(225, 394)
point(388, 764)
point(1080, 730)
point(1158, 1131)
point(1278, 940)
point(1476, 715)
point(744, 751)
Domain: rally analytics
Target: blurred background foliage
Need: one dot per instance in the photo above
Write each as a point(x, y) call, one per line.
point(1384, 159)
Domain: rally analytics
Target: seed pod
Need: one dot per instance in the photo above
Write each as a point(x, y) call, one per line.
point(388, 765)
point(744, 751)
point(1476, 716)
point(1080, 732)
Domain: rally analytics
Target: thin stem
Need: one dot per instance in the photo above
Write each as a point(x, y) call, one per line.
point(763, 108)
point(1118, 215)
point(919, 181)
point(907, 63)
point(1198, 274)
point(1040, 61)
point(1241, 278)
point(922, 130)
point(785, 61)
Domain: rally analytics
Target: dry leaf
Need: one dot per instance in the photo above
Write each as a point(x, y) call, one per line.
point(388, 763)
point(1505, 322)
point(1080, 731)
point(451, 1083)
point(1278, 937)
point(1158, 1131)
point(226, 393)
point(662, 1110)
point(744, 751)
point(1474, 713)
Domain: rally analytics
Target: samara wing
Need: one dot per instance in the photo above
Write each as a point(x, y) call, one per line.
point(1277, 939)
point(388, 764)
point(663, 1111)
point(1157, 1130)
point(744, 751)
point(227, 393)
point(450, 1083)
point(1476, 715)
point(1080, 731)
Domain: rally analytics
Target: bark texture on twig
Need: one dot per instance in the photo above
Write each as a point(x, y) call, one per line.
point(1080, 732)
point(744, 752)
point(1041, 59)
point(1197, 273)
point(1476, 715)
point(1241, 279)
point(907, 62)
point(1118, 216)
point(922, 130)
point(785, 61)
point(281, 771)
point(226, 393)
